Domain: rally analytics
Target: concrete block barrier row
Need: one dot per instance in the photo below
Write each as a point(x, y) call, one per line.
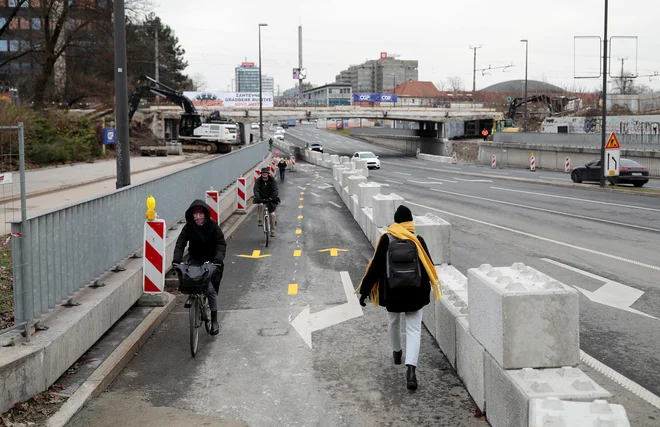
point(511, 333)
point(434, 158)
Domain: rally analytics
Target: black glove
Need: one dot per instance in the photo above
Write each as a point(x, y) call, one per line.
point(363, 298)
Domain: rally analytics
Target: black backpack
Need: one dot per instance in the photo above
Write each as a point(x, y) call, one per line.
point(403, 266)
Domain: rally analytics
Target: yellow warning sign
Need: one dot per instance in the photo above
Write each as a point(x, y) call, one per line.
point(612, 143)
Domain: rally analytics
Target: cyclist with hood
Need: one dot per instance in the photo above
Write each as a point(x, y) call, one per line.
point(266, 188)
point(206, 243)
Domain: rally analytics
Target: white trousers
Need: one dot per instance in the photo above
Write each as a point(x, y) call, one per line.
point(413, 334)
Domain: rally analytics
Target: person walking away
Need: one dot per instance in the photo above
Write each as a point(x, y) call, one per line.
point(206, 243)
point(282, 167)
point(266, 188)
point(270, 144)
point(400, 277)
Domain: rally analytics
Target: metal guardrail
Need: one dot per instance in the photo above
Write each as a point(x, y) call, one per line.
point(62, 250)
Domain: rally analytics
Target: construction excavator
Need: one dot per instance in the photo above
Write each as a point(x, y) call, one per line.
point(555, 106)
point(215, 134)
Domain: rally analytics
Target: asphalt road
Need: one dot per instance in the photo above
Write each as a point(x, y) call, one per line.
point(583, 238)
point(259, 370)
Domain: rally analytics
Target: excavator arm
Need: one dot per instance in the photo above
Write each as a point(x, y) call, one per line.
point(146, 85)
point(519, 102)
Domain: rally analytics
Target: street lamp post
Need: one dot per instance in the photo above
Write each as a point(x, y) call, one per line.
point(261, 109)
point(123, 151)
point(604, 112)
point(526, 62)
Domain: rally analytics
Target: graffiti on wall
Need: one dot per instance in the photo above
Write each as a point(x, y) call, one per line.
point(623, 125)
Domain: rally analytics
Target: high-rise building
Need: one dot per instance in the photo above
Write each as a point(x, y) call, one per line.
point(267, 85)
point(379, 75)
point(247, 78)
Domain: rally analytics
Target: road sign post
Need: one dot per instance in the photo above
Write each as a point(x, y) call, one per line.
point(612, 156)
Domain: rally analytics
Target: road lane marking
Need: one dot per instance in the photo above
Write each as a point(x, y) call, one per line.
point(334, 204)
point(255, 255)
point(425, 182)
point(577, 199)
point(473, 180)
point(527, 207)
point(302, 193)
point(300, 217)
point(393, 182)
point(302, 188)
point(442, 180)
point(293, 289)
point(297, 252)
point(299, 231)
point(545, 239)
point(334, 251)
point(403, 173)
point(301, 199)
point(300, 207)
point(315, 195)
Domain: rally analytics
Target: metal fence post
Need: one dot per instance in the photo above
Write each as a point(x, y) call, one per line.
point(26, 295)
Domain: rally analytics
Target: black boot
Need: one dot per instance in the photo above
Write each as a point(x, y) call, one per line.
point(215, 328)
point(411, 378)
point(397, 357)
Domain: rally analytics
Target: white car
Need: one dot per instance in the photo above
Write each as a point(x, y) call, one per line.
point(373, 162)
point(279, 134)
point(280, 129)
point(255, 125)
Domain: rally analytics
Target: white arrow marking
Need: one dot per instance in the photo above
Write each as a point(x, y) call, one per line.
point(306, 323)
point(613, 294)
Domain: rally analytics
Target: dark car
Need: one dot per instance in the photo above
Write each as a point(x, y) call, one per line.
point(314, 146)
point(630, 172)
point(284, 125)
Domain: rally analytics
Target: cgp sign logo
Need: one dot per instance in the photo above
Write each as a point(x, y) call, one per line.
point(374, 97)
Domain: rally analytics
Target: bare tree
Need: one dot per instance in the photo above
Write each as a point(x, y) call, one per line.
point(199, 82)
point(441, 85)
point(455, 83)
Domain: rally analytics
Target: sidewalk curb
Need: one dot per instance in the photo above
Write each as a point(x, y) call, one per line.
point(106, 373)
point(536, 181)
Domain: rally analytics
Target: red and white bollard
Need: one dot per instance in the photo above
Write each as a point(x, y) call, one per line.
point(493, 162)
point(293, 163)
point(213, 202)
point(153, 267)
point(241, 195)
point(567, 165)
point(417, 154)
point(257, 174)
point(532, 163)
point(454, 158)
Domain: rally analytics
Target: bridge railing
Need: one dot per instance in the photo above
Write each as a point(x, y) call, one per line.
point(60, 251)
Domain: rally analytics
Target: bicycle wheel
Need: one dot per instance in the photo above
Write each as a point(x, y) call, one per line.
point(267, 228)
point(207, 315)
point(194, 328)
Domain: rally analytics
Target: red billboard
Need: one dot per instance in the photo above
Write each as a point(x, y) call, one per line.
point(383, 55)
point(247, 64)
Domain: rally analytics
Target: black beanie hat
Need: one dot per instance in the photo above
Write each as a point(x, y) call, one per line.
point(402, 214)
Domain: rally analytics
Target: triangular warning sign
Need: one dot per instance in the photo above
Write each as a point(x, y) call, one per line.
point(612, 143)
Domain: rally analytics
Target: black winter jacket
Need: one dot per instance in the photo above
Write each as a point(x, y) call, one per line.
point(207, 243)
point(266, 190)
point(399, 301)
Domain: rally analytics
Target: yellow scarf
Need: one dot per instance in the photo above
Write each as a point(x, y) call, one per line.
point(405, 231)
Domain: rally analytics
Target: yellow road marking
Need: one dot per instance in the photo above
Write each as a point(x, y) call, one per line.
point(297, 252)
point(302, 193)
point(255, 255)
point(293, 289)
point(334, 251)
point(300, 207)
point(298, 231)
point(302, 198)
point(300, 217)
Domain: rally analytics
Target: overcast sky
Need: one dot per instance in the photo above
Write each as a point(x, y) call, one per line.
point(218, 35)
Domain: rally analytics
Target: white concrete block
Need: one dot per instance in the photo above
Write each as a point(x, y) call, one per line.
point(353, 206)
point(344, 177)
point(366, 191)
point(508, 392)
point(361, 164)
point(437, 234)
point(524, 318)
point(470, 362)
point(334, 158)
point(428, 315)
point(326, 157)
point(454, 283)
point(353, 182)
point(553, 412)
point(447, 310)
point(384, 208)
point(344, 159)
point(362, 221)
point(338, 171)
point(345, 196)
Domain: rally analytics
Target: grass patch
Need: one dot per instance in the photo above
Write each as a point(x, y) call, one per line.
point(6, 288)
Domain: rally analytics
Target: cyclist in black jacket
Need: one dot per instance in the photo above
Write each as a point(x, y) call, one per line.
point(265, 191)
point(206, 243)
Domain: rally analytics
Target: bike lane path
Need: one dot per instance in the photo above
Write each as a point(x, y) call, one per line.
point(259, 371)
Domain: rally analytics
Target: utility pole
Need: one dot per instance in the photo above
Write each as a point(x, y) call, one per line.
point(526, 62)
point(623, 77)
point(123, 151)
point(474, 72)
point(604, 118)
point(300, 64)
point(261, 107)
point(157, 71)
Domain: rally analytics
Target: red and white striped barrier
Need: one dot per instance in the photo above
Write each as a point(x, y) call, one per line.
point(213, 202)
point(567, 165)
point(493, 162)
point(257, 174)
point(293, 163)
point(532, 163)
point(454, 158)
point(241, 195)
point(153, 267)
point(417, 154)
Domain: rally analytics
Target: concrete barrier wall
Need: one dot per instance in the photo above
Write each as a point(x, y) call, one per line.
point(638, 142)
point(407, 146)
point(553, 157)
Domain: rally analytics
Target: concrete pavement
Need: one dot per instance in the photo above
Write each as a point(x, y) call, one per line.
point(259, 370)
point(606, 244)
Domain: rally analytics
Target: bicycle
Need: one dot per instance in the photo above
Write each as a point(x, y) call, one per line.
point(266, 219)
point(199, 310)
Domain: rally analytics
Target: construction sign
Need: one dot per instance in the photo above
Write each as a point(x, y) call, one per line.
point(613, 143)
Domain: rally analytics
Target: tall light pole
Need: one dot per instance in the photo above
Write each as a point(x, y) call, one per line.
point(261, 107)
point(474, 69)
point(123, 151)
point(526, 62)
point(603, 126)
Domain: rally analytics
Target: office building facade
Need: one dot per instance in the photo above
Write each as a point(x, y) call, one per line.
point(247, 78)
point(329, 95)
point(267, 85)
point(379, 75)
